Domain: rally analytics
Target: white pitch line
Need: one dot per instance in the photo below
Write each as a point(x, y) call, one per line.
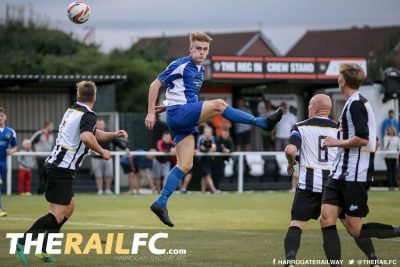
point(255, 232)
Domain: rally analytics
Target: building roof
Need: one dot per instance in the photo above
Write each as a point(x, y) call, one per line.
point(237, 43)
point(354, 42)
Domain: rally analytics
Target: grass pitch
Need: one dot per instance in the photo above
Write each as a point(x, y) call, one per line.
point(215, 230)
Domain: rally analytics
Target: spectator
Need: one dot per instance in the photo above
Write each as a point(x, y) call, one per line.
point(186, 180)
point(26, 164)
point(390, 121)
point(206, 143)
point(224, 145)
point(283, 128)
point(162, 164)
point(243, 131)
point(265, 109)
point(391, 143)
point(103, 169)
point(220, 124)
point(8, 145)
point(143, 166)
point(128, 167)
point(42, 141)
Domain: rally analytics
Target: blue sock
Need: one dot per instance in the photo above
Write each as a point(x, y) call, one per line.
point(1, 187)
point(238, 116)
point(174, 178)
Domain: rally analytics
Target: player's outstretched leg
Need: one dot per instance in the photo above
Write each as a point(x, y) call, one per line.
point(379, 230)
point(266, 123)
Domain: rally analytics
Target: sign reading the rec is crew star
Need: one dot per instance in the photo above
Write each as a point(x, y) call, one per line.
point(277, 68)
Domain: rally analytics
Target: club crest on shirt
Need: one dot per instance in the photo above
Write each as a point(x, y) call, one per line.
point(197, 83)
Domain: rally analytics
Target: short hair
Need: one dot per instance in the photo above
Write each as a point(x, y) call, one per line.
point(46, 123)
point(2, 110)
point(353, 74)
point(26, 141)
point(86, 90)
point(199, 36)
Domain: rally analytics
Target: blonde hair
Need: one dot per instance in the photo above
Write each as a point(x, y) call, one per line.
point(353, 74)
point(199, 36)
point(390, 130)
point(26, 142)
point(86, 90)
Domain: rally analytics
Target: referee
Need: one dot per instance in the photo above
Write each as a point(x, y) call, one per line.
point(76, 135)
point(346, 189)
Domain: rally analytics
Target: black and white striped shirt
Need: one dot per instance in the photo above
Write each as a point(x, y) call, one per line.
point(356, 164)
point(315, 161)
point(69, 149)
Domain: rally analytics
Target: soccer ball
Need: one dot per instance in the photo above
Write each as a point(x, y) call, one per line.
point(78, 12)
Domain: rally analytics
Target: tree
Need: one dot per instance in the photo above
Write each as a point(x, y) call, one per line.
point(29, 46)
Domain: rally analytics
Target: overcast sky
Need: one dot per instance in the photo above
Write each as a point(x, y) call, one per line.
point(119, 23)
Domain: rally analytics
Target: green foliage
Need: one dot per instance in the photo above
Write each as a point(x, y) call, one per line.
point(29, 46)
point(382, 58)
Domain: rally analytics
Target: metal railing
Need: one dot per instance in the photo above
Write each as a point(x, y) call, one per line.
point(117, 154)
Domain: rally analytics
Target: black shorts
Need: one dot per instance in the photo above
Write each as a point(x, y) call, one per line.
point(243, 138)
point(59, 184)
point(126, 168)
point(352, 197)
point(205, 167)
point(306, 205)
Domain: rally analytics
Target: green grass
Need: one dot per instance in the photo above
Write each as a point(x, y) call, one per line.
point(215, 230)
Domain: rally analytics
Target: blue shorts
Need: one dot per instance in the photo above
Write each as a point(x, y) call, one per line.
point(3, 167)
point(183, 119)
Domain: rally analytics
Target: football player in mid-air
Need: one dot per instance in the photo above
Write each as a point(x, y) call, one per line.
point(183, 79)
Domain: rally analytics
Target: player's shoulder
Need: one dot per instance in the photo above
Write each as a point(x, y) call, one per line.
point(81, 108)
point(317, 122)
point(181, 61)
point(10, 131)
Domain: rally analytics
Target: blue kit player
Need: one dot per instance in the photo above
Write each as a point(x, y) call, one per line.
point(8, 145)
point(183, 79)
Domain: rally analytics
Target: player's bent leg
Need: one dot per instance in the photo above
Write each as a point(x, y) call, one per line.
point(211, 108)
point(184, 153)
point(353, 225)
point(292, 240)
point(364, 244)
point(61, 209)
point(379, 230)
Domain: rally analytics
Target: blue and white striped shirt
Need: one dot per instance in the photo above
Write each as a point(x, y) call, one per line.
point(183, 79)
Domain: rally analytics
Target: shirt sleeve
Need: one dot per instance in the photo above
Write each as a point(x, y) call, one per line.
point(88, 122)
point(359, 116)
point(13, 140)
point(295, 137)
point(171, 73)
